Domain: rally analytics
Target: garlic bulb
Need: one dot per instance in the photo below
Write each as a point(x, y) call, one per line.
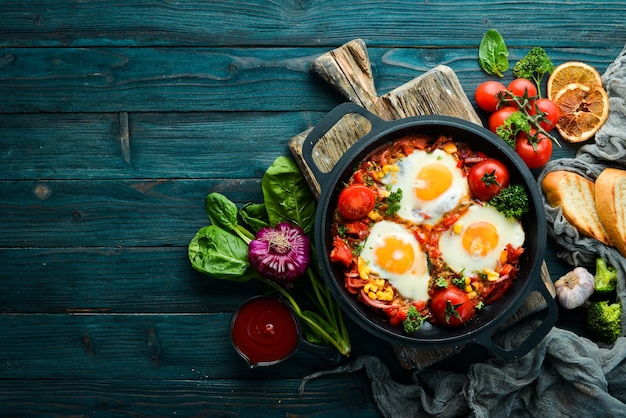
point(574, 288)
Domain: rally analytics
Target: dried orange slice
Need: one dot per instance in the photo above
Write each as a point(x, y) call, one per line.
point(584, 109)
point(572, 72)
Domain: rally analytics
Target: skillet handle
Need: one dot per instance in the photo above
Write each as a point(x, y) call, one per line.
point(325, 125)
point(534, 338)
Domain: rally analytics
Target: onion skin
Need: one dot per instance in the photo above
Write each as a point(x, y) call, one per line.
point(280, 253)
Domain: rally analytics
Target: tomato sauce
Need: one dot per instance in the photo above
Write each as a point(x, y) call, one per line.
point(264, 331)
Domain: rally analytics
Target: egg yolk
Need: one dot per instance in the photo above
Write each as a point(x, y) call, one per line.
point(480, 238)
point(397, 256)
point(432, 181)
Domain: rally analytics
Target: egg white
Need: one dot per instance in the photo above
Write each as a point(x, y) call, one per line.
point(420, 211)
point(509, 231)
point(413, 283)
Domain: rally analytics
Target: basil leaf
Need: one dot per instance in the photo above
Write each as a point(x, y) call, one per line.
point(219, 254)
point(287, 195)
point(255, 216)
point(493, 53)
point(221, 211)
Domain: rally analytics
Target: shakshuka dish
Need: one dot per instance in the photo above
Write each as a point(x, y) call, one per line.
point(417, 234)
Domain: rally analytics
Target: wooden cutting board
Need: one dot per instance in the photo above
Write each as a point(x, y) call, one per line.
point(436, 92)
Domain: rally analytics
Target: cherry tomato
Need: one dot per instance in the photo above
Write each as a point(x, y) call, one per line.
point(356, 201)
point(521, 86)
point(487, 95)
point(498, 117)
point(487, 178)
point(551, 111)
point(536, 156)
point(451, 306)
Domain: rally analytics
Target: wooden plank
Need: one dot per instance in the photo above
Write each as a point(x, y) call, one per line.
point(112, 280)
point(211, 79)
point(158, 145)
point(77, 213)
point(346, 396)
point(331, 23)
point(190, 346)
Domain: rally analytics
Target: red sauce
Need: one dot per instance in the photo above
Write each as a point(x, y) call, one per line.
point(264, 331)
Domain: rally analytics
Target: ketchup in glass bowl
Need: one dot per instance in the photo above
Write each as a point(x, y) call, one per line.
point(264, 331)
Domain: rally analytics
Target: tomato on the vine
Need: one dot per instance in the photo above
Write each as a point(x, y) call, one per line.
point(534, 153)
point(356, 201)
point(487, 95)
point(451, 307)
point(521, 87)
point(551, 111)
point(498, 117)
point(487, 177)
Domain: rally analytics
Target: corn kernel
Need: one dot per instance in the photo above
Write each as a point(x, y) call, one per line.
point(468, 288)
point(374, 216)
point(371, 295)
point(457, 228)
point(467, 280)
point(492, 276)
point(363, 268)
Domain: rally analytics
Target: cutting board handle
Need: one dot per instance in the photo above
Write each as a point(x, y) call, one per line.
point(331, 119)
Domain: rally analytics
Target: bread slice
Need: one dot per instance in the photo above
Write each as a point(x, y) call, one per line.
point(575, 194)
point(610, 198)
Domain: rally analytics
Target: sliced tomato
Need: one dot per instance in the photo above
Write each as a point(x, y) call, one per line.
point(341, 252)
point(356, 201)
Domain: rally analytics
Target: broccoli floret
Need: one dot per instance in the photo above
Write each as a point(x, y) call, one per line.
point(413, 320)
point(517, 122)
point(512, 201)
point(605, 279)
point(534, 66)
point(603, 320)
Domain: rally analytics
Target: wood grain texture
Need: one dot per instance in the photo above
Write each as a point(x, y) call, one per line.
point(263, 398)
point(200, 79)
point(308, 23)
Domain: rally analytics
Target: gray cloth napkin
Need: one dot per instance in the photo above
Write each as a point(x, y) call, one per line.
point(565, 375)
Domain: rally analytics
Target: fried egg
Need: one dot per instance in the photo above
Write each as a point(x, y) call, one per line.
point(392, 252)
point(431, 185)
point(475, 243)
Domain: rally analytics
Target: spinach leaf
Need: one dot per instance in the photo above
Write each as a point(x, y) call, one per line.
point(219, 254)
point(493, 53)
point(255, 216)
point(221, 211)
point(287, 195)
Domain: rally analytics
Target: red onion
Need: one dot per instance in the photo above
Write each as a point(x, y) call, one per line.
point(281, 253)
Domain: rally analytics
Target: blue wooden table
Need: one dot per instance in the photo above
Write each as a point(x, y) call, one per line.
point(118, 117)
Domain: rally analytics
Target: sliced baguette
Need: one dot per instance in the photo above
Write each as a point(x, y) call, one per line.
point(610, 198)
point(575, 194)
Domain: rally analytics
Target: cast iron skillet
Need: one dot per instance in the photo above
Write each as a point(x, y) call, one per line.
point(484, 326)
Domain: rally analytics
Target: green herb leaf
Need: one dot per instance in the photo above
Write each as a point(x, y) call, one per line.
point(493, 55)
point(255, 216)
point(219, 254)
point(287, 195)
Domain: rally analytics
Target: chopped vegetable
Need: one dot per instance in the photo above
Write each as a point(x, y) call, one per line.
point(493, 54)
point(413, 320)
point(512, 201)
point(604, 320)
point(605, 279)
point(574, 288)
point(280, 253)
point(534, 66)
